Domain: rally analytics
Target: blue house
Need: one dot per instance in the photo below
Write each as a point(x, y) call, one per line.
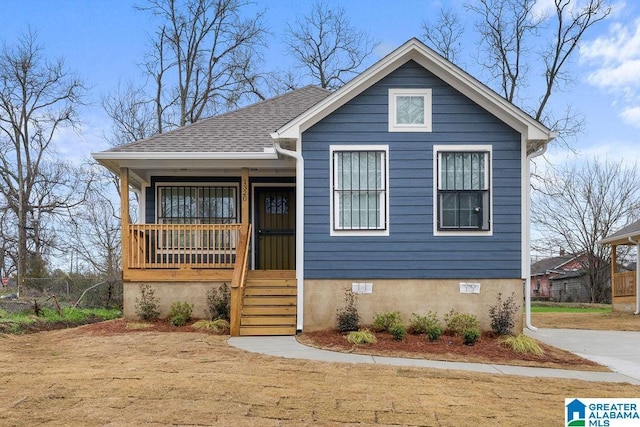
point(409, 185)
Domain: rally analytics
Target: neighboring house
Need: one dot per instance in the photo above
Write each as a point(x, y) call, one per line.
point(409, 184)
point(625, 288)
point(560, 278)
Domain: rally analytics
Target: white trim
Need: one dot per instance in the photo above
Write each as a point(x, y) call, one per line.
point(385, 218)
point(267, 154)
point(436, 179)
point(534, 132)
point(394, 126)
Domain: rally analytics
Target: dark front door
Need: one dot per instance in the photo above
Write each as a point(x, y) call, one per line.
point(275, 228)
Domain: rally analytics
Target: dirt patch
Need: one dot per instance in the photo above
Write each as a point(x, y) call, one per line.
point(486, 350)
point(107, 374)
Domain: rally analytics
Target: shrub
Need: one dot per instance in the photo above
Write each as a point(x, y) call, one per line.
point(180, 313)
point(503, 315)
point(147, 305)
point(385, 320)
point(457, 323)
point(421, 324)
point(470, 336)
point(363, 336)
point(218, 326)
point(219, 303)
point(348, 317)
point(522, 344)
point(399, 331)
point(428, 325)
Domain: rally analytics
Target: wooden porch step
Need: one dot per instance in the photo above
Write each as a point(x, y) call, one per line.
point(267, 330)
point(270, 305)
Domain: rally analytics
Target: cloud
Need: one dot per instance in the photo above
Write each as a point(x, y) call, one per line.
point(632, 116)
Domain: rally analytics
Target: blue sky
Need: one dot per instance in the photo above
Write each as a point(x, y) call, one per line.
point(104, 41)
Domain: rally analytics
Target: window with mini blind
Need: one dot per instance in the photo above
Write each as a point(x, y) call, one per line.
point(359, 180)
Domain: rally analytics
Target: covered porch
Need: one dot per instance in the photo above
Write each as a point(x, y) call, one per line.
point(625, 284)
point(182, 261)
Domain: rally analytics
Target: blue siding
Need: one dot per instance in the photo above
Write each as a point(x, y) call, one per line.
point(411, 250)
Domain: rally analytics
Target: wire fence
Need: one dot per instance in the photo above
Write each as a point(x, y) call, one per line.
point(86, 292)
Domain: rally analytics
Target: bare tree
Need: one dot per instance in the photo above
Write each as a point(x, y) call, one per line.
point(202, 58)
point(445, 34)
point(509, 28)
point(579, 205)
point(37, 99)
point(325, 45)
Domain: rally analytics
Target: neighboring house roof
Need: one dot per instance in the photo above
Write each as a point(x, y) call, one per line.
point(543, 266)
point(535, 134)
point(622, 236)
point(243, 133)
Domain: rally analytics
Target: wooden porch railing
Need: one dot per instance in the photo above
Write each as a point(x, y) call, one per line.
point(239, 279)
point(624, 284)
point(182, 245)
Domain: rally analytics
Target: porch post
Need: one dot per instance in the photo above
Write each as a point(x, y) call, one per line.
point(124, 217)
point(614, 262)
point(244, 188)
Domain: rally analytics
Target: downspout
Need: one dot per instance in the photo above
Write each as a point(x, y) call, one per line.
point(637, 243)
point(299, 227)
point(527, 241)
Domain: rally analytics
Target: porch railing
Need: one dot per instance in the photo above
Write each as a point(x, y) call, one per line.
point(182, 245)
point(239, 280)
point(624, 284)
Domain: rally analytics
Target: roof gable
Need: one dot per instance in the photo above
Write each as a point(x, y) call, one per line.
point(534, 132)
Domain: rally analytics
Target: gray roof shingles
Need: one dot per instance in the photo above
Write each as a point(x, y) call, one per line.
point(246, 130)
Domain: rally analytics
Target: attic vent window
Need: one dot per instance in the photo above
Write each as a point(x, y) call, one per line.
point(409, 110)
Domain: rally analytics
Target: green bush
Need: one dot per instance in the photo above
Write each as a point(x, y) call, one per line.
point(219, 303)
point(363, 336)
point(348, 317)
point(470, 336)
point(434, 333)
point(399, 331)
point(180, 313)
point(385, 320)
point(503, 315)
point(457, 323)
point(421, 324)
point(428, 325)
point(147, 305)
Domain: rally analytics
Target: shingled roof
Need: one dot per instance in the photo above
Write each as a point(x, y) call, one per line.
point(622, 236)
point(246, 130)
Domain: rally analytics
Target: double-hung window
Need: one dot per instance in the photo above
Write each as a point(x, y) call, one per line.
point(463, 188)
point(360, 197)
point(197, 204)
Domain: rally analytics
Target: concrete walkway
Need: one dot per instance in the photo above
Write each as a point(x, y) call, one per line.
point(288, 347)
point(617, 350)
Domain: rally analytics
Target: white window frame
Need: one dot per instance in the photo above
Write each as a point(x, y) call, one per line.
point(394, 126)
point(334, 209)
point(437, 149)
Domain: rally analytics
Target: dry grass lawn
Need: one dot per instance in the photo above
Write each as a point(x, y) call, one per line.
point(611, 321)
point(79, 377)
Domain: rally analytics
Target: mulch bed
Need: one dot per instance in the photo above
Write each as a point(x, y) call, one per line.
point(449, 348)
